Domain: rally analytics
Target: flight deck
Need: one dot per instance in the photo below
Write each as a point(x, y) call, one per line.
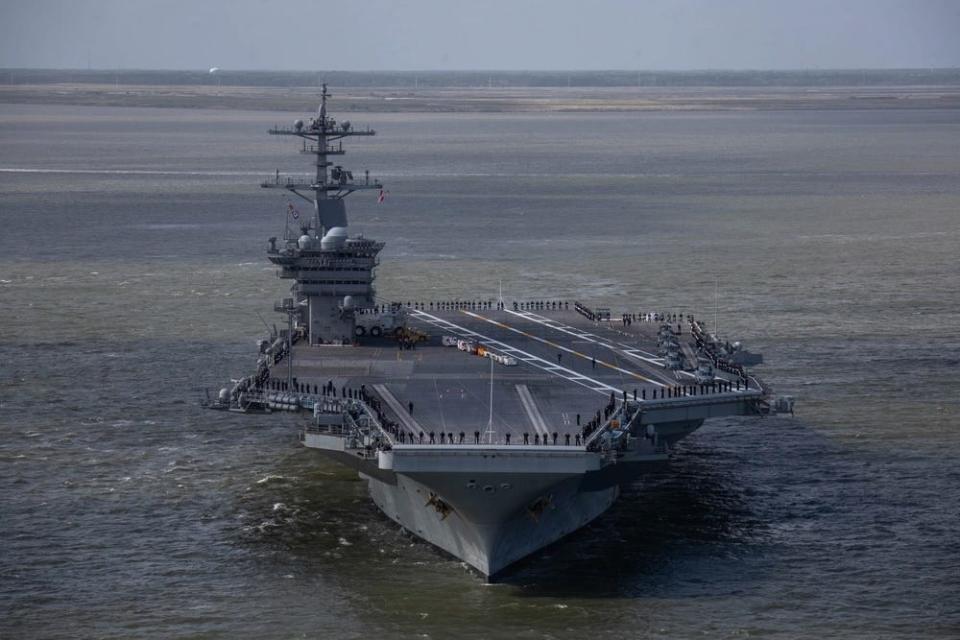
point(564, 369)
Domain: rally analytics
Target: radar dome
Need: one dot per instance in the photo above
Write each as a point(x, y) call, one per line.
point(334, 239)
point(348, 302)
point(298, 124)
point(304, 242)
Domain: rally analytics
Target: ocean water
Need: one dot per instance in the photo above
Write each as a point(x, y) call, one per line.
point(132, 276)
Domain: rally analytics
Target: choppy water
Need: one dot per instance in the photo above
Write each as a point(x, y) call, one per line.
point(132, 271)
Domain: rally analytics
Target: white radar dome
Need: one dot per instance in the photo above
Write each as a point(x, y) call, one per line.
point(334, 239)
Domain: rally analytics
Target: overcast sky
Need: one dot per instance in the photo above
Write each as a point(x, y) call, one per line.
point(479, 34)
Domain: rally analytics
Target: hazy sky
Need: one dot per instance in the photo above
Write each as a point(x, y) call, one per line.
point(479, 34)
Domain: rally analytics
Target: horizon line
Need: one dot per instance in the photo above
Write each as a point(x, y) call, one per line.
point(405, 71)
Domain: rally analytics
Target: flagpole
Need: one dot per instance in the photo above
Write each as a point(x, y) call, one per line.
point(490, 419)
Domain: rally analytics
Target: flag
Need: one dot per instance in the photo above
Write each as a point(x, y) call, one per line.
point(292, 210)
point(382, 196)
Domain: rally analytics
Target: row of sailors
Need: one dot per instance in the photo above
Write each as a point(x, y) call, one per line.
point(449, 305)
point(473, 305)
point(533, 305)
point(719, 361)
point(602, 415)
point(719, 386)
point(403, 437)
point(542, 305)
point(586, 312)
point(330, 390)
point(628, 319)
point(476, 305)
point(326, 390)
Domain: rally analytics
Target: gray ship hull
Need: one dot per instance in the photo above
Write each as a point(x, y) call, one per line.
point(489, 541)
point(491, 506)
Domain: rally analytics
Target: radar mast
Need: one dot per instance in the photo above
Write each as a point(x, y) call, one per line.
point(323, 137)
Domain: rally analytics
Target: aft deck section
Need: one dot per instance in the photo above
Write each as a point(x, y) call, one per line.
point(567, 370)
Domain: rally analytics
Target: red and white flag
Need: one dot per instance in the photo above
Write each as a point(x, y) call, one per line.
point(292, 210)
point(383, 196)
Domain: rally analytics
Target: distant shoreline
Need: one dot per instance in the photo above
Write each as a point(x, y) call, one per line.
point(487, 100)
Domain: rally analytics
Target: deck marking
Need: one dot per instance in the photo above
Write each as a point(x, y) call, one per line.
point(563, 348)
point(412, 425)
point(519, 354)
point(556, 325)
point(536, 418)
point(629, 350)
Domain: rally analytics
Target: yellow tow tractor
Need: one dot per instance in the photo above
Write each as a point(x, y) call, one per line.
point(410, 335)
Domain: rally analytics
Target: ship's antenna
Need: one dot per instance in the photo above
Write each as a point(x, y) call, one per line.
point(501, 294)
point(262, 320)
point(716, 306)
point(322, 137)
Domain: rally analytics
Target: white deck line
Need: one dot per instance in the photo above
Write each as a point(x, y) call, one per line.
point(412, 425)
point(589, 337)
point(632, 374)
point(625, 349)
point(519, 354)
point(536, 418)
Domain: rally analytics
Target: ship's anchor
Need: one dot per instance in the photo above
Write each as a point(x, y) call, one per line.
point(538, 506)
point(441, 507)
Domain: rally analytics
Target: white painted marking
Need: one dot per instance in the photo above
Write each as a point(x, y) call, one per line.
point(412, 425)
point(536, 418)
point(632, 374)
point(629, 350)
point(519, 354)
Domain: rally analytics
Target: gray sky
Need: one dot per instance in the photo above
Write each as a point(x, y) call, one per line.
point(479, 34)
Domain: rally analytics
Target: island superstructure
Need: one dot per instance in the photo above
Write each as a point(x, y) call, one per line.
point(488, 427)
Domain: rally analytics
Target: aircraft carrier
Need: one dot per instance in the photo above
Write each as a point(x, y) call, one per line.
point(489, 428)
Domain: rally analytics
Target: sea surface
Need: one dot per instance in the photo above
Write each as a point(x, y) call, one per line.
point(133, 276)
